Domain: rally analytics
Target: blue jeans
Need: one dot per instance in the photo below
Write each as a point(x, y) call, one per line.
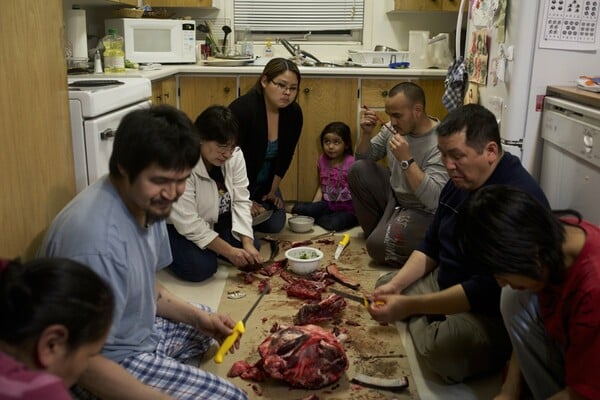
point(190, 262)
point(325, 217)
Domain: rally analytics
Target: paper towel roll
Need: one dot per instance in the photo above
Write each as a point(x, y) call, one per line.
point(77, 34)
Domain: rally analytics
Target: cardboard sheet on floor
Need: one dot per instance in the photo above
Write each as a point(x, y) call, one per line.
point(372, 349)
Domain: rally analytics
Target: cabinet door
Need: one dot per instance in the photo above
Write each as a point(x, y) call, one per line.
point(418, 5)
point(323, 100)
point(196, 93)
point(453, 5)
point(247, 82)
point(128, 2)
point(165, 91)
point(374, 92)
point(179, 3)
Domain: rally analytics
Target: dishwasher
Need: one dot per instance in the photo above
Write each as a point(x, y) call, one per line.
point(570, 172)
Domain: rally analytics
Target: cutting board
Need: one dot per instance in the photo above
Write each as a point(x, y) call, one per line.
point(372, 349)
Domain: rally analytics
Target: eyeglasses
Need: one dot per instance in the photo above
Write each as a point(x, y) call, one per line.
point(226, 148)
point(284, 88)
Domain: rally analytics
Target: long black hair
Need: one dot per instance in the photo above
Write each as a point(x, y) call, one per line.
point(504, 230)
point(49, 291)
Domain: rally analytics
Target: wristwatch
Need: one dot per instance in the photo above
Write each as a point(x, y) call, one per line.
point(406, 163)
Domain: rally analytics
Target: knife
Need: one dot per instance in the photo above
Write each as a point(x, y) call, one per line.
point(361, 299)
point(238, 329)
point(341, 246)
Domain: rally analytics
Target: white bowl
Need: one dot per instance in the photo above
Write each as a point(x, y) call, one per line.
point(301, 223)
point(304, 260)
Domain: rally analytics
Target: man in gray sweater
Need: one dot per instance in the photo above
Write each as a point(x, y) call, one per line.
point(394, 205)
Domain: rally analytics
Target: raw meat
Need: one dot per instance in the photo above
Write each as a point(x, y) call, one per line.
point(246, 371)
point(334, 272)
point(304, 356)
point(324, 310)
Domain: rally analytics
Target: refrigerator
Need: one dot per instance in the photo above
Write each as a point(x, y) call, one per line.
point(530, 45)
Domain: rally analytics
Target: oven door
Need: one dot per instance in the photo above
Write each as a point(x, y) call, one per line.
point(99, 134)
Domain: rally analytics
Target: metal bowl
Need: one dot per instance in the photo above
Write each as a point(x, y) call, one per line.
point(383, 48)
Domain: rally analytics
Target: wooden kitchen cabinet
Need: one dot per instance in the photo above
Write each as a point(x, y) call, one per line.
point(374, 92)
point(427, 5)
point(126, 2)
point(164, 91)
point(36, 167)
point(323, 100)
point(179, 3)
point(196, 93)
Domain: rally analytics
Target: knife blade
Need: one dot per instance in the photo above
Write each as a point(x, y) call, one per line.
point(362, 299)
point(341, 246)
point(238, 329)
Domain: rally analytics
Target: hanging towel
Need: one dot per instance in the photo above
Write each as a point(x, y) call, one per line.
point(456, 82)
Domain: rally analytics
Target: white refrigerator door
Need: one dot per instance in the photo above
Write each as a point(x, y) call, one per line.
point(99, 137)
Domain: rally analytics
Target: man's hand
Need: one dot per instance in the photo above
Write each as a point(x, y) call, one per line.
point(240, 257)
point(217, 326)
point(368, 121)
point(399, 147)
point(391, 308)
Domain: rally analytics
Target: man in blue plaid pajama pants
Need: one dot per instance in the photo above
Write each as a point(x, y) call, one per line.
point(117, 228)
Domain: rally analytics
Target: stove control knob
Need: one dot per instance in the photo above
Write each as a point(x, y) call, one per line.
point(588, 141)
point(107, 134)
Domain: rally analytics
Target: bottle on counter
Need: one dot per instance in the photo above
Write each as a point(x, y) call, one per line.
point(246, 44)
point(97, 63)
point(114, 56)
point(268, 53)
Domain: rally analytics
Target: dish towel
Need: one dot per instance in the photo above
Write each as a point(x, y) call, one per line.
point(456, 82)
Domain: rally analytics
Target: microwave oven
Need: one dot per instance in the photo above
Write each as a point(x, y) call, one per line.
point(148, 40)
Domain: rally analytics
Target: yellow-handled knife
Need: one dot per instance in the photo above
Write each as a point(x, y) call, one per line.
point(238, 329)
point(341, 246)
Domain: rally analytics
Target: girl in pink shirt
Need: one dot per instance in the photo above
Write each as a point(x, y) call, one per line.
point(332, 205)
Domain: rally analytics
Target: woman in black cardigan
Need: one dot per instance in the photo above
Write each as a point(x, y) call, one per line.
point(270, 122)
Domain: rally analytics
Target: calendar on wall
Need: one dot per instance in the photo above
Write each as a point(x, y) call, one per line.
point(570, 25)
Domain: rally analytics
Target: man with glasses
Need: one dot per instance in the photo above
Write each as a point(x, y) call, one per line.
point(394, 205)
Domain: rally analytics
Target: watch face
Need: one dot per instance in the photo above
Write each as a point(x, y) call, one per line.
point(406, 163)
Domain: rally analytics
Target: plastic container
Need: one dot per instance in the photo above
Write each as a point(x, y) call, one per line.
point(301, 223)
point(97, 62)
point(246, 48)
point(417, 49)
point(268, 52)
point(304, 260)
point(374, 58)
point(114, 56)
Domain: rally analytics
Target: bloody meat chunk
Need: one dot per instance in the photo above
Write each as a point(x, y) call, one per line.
point(304, 356)
point(335, 273)
point(246, 371)
point(322, 311)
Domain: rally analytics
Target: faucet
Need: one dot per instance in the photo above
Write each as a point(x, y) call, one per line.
point(296, 52)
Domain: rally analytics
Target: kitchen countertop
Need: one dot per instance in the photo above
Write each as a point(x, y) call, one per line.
point(573, 93)
point(169, 70)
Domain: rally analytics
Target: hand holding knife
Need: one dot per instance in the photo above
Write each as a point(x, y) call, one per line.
point(238, 329)
point(364, 300)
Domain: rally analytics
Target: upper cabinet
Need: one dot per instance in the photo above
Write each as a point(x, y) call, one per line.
point(427, 5)
point(179, 3)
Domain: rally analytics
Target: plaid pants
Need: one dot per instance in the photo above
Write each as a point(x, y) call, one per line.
point(164, 368)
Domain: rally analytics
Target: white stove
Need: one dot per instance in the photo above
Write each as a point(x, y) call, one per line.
point(97, 106)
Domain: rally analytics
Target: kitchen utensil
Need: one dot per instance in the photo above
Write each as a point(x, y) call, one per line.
point(354, 297)
point(227, 31)
point(238, 329)
point(380, 121)
point(383, 48)
point(322, 235)
point(360, 299)
point(262, 217)
point(341, 246)
point(373, 382)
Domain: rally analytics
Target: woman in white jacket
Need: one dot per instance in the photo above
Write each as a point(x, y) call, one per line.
point(212, 218)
